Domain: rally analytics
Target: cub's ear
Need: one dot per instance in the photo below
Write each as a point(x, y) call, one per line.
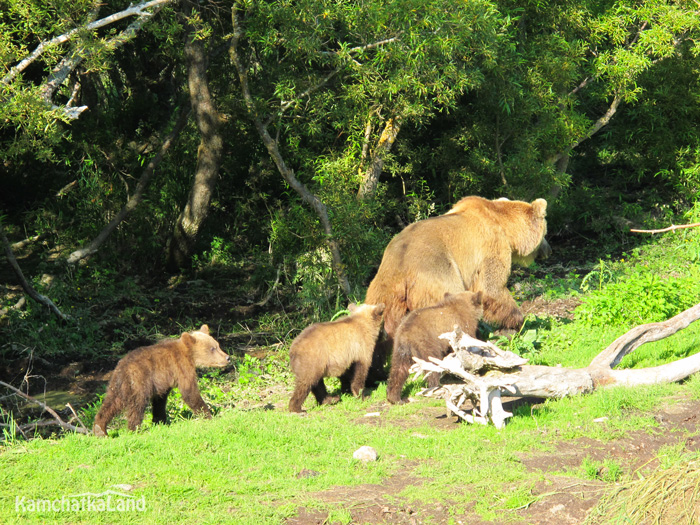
point(478, 298)
point(446, 296)
point(352, 307)
point(204, 329)
point(540, 207)
point(187, 339)
point(379, 308)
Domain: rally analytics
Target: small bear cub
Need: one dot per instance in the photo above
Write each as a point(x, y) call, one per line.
point(149, 373)
point(331, 348)
point(418, 336)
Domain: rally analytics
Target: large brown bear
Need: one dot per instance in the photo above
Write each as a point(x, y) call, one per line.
point(471, 247)
point(149, 373)
point(418, 336)
point(330, 349)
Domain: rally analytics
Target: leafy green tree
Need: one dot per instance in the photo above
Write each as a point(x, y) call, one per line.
point(566, 71)
point(329, 85)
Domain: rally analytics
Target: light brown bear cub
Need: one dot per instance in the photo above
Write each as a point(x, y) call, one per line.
point(329, 349)
point(149, 373)
point(418, 336)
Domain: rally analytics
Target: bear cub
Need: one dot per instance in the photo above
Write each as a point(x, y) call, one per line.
point(149, 373)
point(418, 336)
point(331, 348)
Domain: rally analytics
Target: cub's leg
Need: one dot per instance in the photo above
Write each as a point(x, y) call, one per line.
point(159, 403)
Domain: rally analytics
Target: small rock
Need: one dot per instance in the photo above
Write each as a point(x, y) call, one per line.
point(372, 414)
point(365, 454)
point(600, 419)
point(124, 486)
point(557, 508)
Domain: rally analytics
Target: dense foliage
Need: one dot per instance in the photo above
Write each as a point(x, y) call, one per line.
point(592, 105)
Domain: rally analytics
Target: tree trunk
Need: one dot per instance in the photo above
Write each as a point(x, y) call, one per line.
point(208, 156)
point(384, 145)
point(287, 173)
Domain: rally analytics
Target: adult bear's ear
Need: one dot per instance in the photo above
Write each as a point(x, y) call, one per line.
point(204, 329)
point(540, 207)
point(187, 339)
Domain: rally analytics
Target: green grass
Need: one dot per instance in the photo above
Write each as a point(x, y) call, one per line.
point(243, 465)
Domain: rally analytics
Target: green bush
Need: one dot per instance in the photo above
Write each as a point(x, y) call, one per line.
point(640, 298)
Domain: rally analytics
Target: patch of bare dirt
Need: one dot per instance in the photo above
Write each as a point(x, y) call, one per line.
point(558, 308)
point(560, 495)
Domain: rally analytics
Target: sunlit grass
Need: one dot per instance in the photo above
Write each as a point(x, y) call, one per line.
point(257, 463)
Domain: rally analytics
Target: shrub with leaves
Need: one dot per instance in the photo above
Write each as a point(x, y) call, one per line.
point(640, 298)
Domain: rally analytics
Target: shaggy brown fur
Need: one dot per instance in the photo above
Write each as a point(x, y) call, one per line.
point(329, 349)
point(418, 336)
point(149, 373)
point(471, 247)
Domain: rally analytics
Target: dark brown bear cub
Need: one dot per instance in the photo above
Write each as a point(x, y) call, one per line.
point(329, 349)
point(149, 373)
point(418, 336)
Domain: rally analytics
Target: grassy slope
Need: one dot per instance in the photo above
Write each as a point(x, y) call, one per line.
point(242, 466)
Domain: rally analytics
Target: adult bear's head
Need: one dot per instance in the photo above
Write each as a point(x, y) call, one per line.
point(525, 224)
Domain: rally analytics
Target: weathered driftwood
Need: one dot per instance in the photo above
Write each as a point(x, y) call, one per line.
point(485, 371)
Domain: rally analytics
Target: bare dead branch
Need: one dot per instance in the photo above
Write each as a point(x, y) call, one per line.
point(71, 62)
point(77, 418)
point(629, 342)
point(17, 306)
point(506, 375)
point(136, 198)
point(133, 10)
point(57, 418)
point(669, 229)
point(28, 288)
point(29, 240)
point(68, 187)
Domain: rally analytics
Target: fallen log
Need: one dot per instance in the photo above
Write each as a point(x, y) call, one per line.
point(485, 371)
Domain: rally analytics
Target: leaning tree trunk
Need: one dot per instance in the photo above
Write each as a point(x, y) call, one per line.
point(287, 173)
point(28, 288)
point(134, 200)
point(560, 160)
point(508, 372)
point(208, 157)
